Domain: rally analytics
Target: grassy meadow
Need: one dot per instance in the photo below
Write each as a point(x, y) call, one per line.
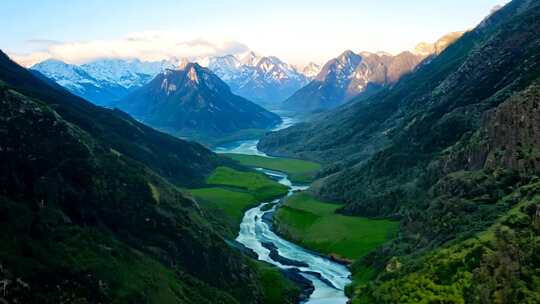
point(256, 183)
point(316, 225)
point(299, 171)
point(229, 193)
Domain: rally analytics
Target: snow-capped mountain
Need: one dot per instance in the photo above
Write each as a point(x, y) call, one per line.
point(351, 74)
point(311, 70)
point(265, 80)
point(101, 81)
point(228, 67)
point(127, 73)
point(250, 58)
point(69, 76)
point(192, 101)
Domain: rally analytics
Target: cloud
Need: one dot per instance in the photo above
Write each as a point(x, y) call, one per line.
point(150, 46)
point(42, 42)
point(27, 60)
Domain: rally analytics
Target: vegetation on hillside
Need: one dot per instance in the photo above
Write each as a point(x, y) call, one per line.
point(498, 265)
point(90, 212)
point(183, 163)
point(444, 150)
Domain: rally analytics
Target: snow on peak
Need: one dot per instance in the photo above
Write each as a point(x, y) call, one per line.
point(126, 73)
point(349, 58)
point(67, 75)
point(310, 70)
point(250, 58)
point(248, 74)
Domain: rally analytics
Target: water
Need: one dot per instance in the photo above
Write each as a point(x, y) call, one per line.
point(331, 277)
point(254, 231)
point(249, 147)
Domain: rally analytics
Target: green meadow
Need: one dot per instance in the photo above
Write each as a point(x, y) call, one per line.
point(255, 183)
point(299, 171)
point(231, 192)
point(231, 202)
point(316, 225)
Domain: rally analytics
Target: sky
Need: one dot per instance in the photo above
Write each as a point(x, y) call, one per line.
point(297, 31)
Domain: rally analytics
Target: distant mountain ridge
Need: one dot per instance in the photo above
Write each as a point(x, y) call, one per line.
point(265, 80)
point(311, 70)
point(101, 81)
point(352, 74)
point(194, 102)
point(105, 81)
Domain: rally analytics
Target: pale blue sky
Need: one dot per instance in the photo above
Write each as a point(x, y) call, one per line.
point(296, 30)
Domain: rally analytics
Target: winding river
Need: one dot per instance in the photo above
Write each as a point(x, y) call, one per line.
point(327, 277)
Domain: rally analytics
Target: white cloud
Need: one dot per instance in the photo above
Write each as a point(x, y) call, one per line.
point(148, 46)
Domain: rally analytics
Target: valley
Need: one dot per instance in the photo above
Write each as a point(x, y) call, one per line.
point(384, 153)
point(259, 209)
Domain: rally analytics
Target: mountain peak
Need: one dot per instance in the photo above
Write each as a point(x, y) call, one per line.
point(250, 59)
point(347, 54)
point(310, 70)
point(171, 79)
point(50, 61)
point(426, 49)
point(349, 75)
point(348, 59)
point(183, 63)
point(194, 102)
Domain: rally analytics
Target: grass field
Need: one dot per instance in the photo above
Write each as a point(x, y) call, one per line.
point(315, 225)
point(299, 171)
point(258, 184)
point(232, 192)
point(232, 202)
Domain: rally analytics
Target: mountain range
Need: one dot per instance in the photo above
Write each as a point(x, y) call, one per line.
point(265, 80)
point(351, 74)
point(193, 102)
point(102, 81)
point(451, 150)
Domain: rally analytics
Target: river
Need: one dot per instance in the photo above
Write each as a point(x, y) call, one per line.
point(328, 277)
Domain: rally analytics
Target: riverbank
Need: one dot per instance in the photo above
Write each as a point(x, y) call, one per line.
point(328, 278)
point(316, 225)
point(298, 171)
point(323, 280)
point(228, 193)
